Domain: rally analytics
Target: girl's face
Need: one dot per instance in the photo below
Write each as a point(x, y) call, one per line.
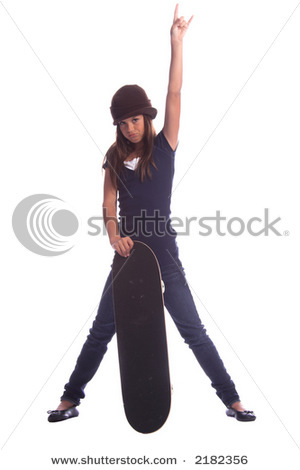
point(133, 128)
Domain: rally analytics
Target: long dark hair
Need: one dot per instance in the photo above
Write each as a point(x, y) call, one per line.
point(121, 148)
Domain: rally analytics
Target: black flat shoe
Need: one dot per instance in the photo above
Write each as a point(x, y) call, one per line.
point(241, 415)
point(61, 415)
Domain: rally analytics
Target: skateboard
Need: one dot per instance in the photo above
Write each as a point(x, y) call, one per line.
point(141, 338)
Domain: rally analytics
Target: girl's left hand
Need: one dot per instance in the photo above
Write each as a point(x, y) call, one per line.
point(179, 26)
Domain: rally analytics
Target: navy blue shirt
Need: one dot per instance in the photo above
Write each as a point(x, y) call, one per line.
point(144, 207)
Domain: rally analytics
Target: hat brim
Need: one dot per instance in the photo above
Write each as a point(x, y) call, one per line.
point(149, 111)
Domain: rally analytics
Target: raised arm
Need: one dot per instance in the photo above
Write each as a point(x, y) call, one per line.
point(173, 101)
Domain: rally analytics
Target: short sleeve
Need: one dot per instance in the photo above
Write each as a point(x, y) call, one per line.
point(161, 142)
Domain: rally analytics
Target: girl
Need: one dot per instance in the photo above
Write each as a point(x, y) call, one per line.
point(139, 168)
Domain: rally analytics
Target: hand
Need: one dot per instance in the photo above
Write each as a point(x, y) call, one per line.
point(179, 26)
point(122, 246)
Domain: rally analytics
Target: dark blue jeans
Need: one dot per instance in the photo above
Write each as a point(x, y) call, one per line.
point(180, 304)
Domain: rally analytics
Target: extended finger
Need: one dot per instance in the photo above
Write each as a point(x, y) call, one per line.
point(176, 12)
point(190, 20)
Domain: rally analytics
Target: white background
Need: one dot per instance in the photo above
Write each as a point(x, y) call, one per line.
point(63, 57)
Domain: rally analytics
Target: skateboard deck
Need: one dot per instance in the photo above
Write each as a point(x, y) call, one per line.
point(141, 338)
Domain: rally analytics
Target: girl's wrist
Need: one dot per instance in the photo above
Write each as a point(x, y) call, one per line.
point(114, 239)
point(176, 42)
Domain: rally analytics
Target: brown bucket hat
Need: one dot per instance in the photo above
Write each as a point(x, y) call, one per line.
point(130, 100)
